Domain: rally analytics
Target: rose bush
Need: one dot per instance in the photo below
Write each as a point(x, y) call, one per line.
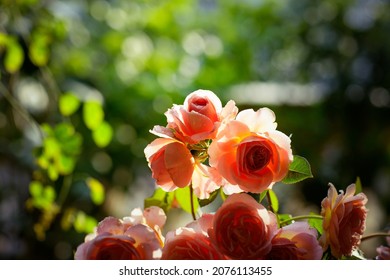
point(205, 147)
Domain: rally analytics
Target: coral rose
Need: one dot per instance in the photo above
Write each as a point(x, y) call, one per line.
point(137, 237)
point(250, 152)
point(191, 242)
point(296, 241)
point(344, 220)
point(199, 117)
point(243, 228)
point(171, 163)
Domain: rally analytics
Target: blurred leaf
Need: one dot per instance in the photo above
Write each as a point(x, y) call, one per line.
point(358, 184)
point(299, 170)
point(52, 172)
point(93, 114)
point(97, 191)
point(183, 197)
point(102, 134)
point(14, 57)
point(35, 188)
point(65, 165)
point(84, 223)
point(39, 50)
point(274, 201)
point(68, 104)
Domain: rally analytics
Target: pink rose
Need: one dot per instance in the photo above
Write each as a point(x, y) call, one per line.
point(137, 237)
point(173, 166)
point(250, 152)
point(199, 117)
point(344, 220)
point(171, 163)
point(296, 241)
point(243, 228)
point(191, 242)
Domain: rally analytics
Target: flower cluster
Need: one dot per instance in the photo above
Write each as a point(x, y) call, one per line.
point(245, 152)
point(211, 149)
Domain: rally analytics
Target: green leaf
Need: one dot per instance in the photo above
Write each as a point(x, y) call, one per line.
point(14, 57)
point(183, 197)
point(84, 223)
point(262, 196)
point(316, 223)
point(38, 50)
point(284, 217)
point(96, 190)
point(68, 104)
point(161, 199)
point(274, 201)
point(299, 170)
point(93, 114)
point(204, 202)
point(35, 188)
point(65, 165)
point(358, 184)
point(102, 134)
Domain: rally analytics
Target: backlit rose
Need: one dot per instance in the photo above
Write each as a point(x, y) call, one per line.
point(191, 242)
point(243, 228)
point(199, 117)
point(296, 241)
point(137, 237)
point(250, 152)
point(171, 163)
point(344, 220)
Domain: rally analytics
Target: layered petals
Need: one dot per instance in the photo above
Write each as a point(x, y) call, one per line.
point(296, 241)
point(344, 220)
point(131, 238)
point(243, 228)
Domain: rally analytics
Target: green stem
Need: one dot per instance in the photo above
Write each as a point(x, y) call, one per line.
point(303, 217)
point(192, 202)
point(271, 208)
point(373, 235)
point(270, 203)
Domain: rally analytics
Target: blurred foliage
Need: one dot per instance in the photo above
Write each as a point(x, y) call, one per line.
point(82, 82)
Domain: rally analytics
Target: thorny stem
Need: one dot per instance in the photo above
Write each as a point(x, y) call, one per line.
point(303, 217)
point(192, 202)
point(372, 235)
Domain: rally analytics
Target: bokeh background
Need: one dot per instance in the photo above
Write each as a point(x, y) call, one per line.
point(68, 66)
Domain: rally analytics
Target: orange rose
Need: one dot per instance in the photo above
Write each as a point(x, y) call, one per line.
point(171, 163)
point(250, 152)
point(344, 220)
point(199, 117)
point(137, 237)
point(243, 228)
point(296, 241)
point(191, 242)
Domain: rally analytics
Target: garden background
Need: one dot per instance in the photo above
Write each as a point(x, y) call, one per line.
point(83, 82)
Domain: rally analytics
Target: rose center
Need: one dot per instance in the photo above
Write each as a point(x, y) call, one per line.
point(257, 157)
